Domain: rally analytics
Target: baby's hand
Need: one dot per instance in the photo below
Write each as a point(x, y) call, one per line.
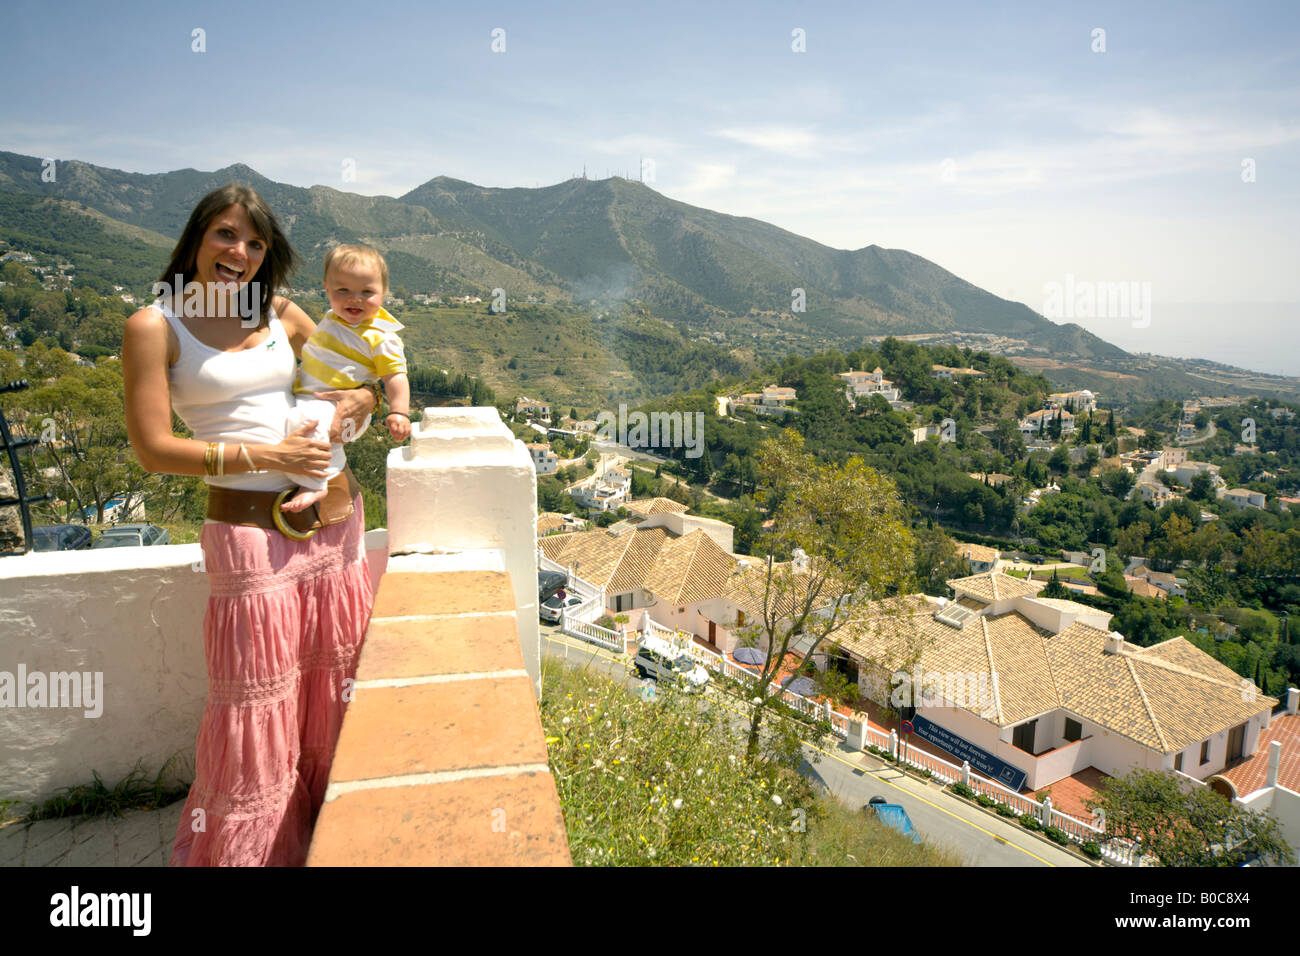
point(399, 426)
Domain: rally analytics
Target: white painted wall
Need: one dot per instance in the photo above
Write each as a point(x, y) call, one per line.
point(465, 483)
point(681, 525)
point(1283, 804)
point(134, 615)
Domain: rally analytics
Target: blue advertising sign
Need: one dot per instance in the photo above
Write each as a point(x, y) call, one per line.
point(1013, 778)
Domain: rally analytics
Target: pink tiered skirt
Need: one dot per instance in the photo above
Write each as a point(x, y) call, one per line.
point(282, 632)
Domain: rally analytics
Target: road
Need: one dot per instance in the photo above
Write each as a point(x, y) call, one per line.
point(942, 819)
point(1209, 433)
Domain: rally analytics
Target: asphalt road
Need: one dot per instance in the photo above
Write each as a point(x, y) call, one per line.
point(980, 838)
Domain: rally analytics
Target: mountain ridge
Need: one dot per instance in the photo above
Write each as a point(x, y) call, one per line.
point(606, 244)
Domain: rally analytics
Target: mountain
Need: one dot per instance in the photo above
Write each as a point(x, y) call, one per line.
point(605, 245)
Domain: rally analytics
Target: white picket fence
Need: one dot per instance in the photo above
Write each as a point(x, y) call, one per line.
point(580, 621)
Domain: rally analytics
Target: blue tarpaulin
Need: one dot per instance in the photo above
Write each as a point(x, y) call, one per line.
point(893, 815)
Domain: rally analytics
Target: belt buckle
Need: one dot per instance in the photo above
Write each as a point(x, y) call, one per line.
point(277, 519)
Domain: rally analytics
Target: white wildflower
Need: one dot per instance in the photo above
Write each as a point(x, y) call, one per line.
point(776, 799)
point(677, 804)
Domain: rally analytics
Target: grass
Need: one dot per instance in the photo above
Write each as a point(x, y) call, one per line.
point(1072, 574)
point(665, 782)
point(136, 791)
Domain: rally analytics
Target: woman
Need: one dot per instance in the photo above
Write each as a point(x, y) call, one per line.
point(287, 611)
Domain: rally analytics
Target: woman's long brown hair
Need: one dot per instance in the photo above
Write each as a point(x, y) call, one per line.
point(277, 266)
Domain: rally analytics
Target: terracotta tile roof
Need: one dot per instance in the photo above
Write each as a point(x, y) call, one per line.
point(746, 586)
point(677, 570)
point(1252, 773)
point(977, 552)
point(549, 521)
point(1165, 697)
point(689, 569)
point(1025, 687)
point(618, 563)
point(649, 507)
point(1061, 604)
point(995, 586)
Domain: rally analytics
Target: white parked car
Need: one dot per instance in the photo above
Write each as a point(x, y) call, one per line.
point(658, 659)
point(553, 605)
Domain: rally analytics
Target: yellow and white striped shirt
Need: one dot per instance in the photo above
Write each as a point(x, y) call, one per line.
point(339, 355)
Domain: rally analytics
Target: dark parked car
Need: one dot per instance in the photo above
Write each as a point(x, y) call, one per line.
point(61, 537)
point(550, 583)
point(133, 536)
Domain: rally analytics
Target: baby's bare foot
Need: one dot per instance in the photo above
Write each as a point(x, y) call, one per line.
point(305, 498)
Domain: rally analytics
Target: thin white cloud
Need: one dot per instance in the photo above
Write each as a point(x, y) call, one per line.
point(783, 140)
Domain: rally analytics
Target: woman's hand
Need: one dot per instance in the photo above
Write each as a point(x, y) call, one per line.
point(354, 405)
point(298, 454)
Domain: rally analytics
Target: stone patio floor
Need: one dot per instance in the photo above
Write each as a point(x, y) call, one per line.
point(139, 838)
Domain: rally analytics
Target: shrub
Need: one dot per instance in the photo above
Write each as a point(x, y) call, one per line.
point(1091, 849)
point(985, 801)
point(1030, 822)
point(666, 782)
point(605, 621)
point(962, 790)
point(1056, 835)
point(1005, 811)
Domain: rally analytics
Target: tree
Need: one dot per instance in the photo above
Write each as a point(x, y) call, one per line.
point(1202, 488)
point(1060, 460)
point(1196, 828)
point(1055, 589)
point(937, 560)
point(842, 527)
point(1118, 482)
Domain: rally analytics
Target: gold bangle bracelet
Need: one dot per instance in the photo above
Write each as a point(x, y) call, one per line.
point(221, 459)
point(245, 454)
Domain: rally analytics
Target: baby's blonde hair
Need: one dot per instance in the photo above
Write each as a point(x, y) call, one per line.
point(356, 254)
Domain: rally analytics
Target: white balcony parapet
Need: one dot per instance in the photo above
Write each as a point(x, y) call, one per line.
point(466, 484)
point(129, 623)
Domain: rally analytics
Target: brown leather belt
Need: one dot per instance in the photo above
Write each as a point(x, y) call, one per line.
point(261, 509)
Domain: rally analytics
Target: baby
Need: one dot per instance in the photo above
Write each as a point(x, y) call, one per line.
point(355, 344)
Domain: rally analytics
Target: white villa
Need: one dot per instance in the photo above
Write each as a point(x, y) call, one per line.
point(861, 385)
point(1045, 687)
point(544, 459)
point(948, 373)
point(1081, 401)
point(770, 401)
point(1243, 498)
point(529, 408)
point(604, 491)
point(1038, 422)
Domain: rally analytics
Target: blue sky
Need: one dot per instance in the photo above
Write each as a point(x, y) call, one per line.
point(993, 141)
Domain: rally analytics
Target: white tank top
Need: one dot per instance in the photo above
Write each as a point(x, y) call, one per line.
point(234, 396)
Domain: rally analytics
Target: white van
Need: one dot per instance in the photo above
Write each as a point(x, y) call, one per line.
point(659, 659)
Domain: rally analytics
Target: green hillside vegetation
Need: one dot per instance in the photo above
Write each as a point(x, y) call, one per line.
point(104, 251)
point(665, 782)
point(614, 245)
